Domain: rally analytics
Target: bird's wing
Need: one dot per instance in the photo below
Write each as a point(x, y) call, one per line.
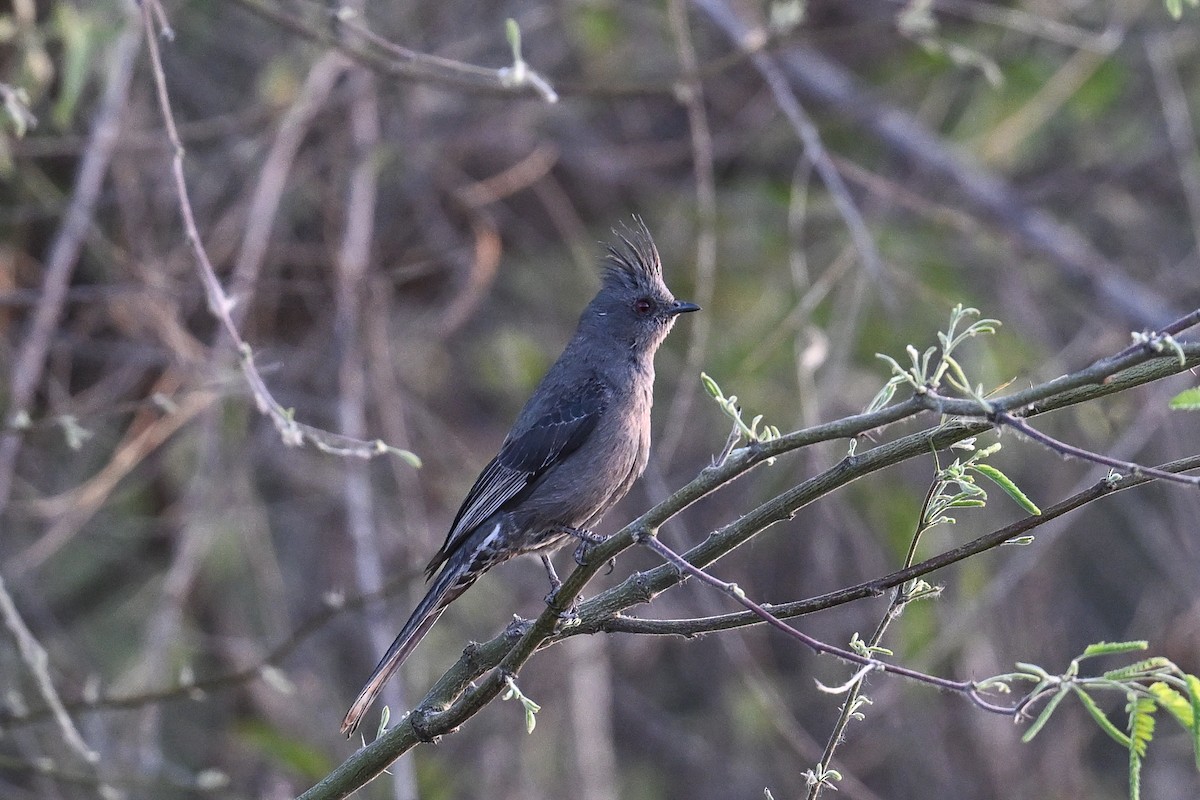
point(553, 436)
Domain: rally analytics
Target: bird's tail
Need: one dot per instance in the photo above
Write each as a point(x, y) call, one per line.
point(453, 580)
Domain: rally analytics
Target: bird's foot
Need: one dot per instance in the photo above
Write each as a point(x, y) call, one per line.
point(555, 581)
point(583, 534)
point(587, 540)
point(581, 557)
point(566, 619)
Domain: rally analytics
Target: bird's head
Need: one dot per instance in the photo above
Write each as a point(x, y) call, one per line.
point(634, 305)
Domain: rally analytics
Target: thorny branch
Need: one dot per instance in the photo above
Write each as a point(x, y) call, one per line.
point(479, 675)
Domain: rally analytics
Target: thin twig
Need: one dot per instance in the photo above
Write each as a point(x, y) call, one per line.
point(272, 178)
point(33, 655)
point(477, 677)
point(979, 192)
point(221, 305)
point(749, 39)
point(64, 252)
point(865, 589)
point(966, 688)
point(899, 600)
point(30, 359)
point(335, 607)
point(1062, 447)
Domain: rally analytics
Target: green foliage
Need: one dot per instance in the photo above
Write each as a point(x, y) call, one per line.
point(80, 54)
point(1187, 400)
point(1175, 7)
point(1100, 92)
point(955, 486)
point(286, 750)
point(1148, 685)
point(531, 708)
point(751, 432)
point(926, 373)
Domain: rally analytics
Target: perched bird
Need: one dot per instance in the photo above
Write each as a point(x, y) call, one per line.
point(575, 449)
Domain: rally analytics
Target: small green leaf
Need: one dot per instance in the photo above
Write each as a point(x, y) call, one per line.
point(531, 708)
point(1193, 684)
point(512, 32)
point(1174, 702)
point(1141, 725)
point(1187, 400)
point(1004, 482)
point(1110, 648)
point(1044, 717)
point(966, 503)
point(384, 716)
point(1101, 718)
point(710, 385)
point(1141, 669)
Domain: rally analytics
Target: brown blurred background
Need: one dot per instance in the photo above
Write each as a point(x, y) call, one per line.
point(1036, 160)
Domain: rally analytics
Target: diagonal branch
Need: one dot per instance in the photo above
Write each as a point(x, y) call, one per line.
point(479, 675)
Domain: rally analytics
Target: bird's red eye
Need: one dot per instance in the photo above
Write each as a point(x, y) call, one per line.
point(643, 306)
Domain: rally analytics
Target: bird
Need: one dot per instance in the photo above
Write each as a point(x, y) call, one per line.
point(575, 449)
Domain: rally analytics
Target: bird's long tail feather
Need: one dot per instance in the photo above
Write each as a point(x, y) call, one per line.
point(449, 584)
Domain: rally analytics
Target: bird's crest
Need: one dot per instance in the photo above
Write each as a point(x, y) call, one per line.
point(633, 262)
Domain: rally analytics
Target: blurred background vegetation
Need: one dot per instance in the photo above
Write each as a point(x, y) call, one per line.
point(1037, 160)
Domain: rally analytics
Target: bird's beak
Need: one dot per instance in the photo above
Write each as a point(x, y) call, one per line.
point(680, 307)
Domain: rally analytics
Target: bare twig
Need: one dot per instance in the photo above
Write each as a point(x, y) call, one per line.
point(221, 305)
point(30, 359)
point(1065, 449)
point(750, 39)
point(981, 193)
point(64, 251)
point(966, 688)
point(401, 63)
point(33, 655)
point(875, 586)
point(335, 607)
point(478, 676)
point(70, 510)
point(264, 204)
point(354, 257)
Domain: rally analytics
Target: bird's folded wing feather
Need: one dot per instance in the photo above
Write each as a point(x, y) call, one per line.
point(522, 458)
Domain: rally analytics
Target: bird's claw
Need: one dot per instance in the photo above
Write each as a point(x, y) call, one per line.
point(568, 618)
point(587, 540)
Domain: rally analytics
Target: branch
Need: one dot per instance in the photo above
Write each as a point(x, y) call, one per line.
point(752, 40)
point(479, 675)
point(29, 362)
point(967, 688)
point(1088, 455)
point(335, 606)
point(877, 586)
point(403, 64)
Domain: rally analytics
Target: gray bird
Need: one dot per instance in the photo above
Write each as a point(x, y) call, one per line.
point(577, 446)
